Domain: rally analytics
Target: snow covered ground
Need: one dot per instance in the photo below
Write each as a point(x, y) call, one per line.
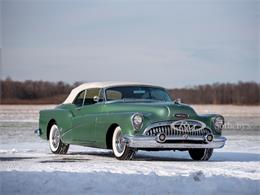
point(28, 167)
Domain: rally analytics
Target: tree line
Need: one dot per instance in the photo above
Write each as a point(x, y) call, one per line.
point(44, 92)
point(33, 92)
point(241, 93)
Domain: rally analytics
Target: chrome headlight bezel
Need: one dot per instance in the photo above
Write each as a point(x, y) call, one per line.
point(218, 123)
point(137, 121)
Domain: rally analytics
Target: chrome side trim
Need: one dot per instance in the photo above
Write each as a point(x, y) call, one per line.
point(151, 142)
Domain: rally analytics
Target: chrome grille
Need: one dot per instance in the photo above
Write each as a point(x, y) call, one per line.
point(192, 128)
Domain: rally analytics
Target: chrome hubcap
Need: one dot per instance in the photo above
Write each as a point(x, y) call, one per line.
point(120, 144)
point(55, 138)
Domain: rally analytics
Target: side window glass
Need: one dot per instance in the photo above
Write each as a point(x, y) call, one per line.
point(91, 93)
point(113, 95)
point(80, 99)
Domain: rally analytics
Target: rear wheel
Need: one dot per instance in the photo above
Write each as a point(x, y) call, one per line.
point(203, 154)
point(55, 143)
point(120, 149)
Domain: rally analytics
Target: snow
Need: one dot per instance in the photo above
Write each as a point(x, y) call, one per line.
point(115, 183)
point(28, 167)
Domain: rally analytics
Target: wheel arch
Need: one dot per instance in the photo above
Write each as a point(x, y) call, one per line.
point(50, 123)
point(109, 135)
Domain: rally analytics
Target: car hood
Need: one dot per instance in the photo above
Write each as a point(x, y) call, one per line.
point(157, 110)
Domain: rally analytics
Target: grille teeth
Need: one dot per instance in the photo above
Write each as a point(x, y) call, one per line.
point(167, 130)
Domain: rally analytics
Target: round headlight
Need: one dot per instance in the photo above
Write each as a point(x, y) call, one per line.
point(137, 121)
point(219, 123)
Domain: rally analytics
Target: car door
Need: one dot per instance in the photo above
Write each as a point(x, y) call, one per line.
point(85, 116)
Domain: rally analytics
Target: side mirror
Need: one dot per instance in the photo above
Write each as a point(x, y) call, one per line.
point(96, 98)
point(178, 100)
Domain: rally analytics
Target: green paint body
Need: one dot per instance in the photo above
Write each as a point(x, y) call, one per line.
point(88, 125)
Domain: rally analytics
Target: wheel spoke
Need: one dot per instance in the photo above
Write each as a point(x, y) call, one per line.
point(120, 145)
point(55, 138)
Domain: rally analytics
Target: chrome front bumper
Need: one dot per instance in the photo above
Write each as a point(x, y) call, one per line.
point(172, 142)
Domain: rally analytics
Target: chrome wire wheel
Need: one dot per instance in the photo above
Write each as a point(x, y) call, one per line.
point(56, 145)
point(118, 142)
point(120, 148)
point(54, 138)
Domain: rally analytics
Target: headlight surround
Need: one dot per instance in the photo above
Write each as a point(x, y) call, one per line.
point(137, 121)
point(218, 123)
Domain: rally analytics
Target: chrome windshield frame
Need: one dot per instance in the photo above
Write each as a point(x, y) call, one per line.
point(151, 86)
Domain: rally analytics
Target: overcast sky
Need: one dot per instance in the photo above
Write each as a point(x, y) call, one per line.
point(171, 43)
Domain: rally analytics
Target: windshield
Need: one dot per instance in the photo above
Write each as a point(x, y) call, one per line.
point(142, 93)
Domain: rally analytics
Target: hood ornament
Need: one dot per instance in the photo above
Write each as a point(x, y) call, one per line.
point(181, 115)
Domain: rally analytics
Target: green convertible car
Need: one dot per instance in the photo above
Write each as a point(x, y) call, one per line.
point(127, 117)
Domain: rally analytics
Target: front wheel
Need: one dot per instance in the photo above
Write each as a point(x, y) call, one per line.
point(120, 149)
point(56, 145)
point(203, 154)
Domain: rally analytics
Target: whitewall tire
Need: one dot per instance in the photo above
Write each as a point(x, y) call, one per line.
point(55, 143)
point(120, 149)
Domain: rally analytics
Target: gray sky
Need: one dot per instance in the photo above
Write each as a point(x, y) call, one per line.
point(171, 43)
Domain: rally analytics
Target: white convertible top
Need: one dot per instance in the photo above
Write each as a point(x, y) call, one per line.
point(84, 86)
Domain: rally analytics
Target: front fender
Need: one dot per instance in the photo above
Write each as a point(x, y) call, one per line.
point(208, 119)
point(123, 119)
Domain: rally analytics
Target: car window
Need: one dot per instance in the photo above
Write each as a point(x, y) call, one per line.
point(91, 93)
point(80, 98)
point(113, 95)
point(158, 94)
point(137, 93)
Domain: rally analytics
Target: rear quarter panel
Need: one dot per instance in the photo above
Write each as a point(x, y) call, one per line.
point(62, 117)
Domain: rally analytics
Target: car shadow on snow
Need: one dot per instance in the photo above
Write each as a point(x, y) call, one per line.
point(15, 158)
point(64, 160)
point(140, 156)
point(146, 156)
point(107, 153)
